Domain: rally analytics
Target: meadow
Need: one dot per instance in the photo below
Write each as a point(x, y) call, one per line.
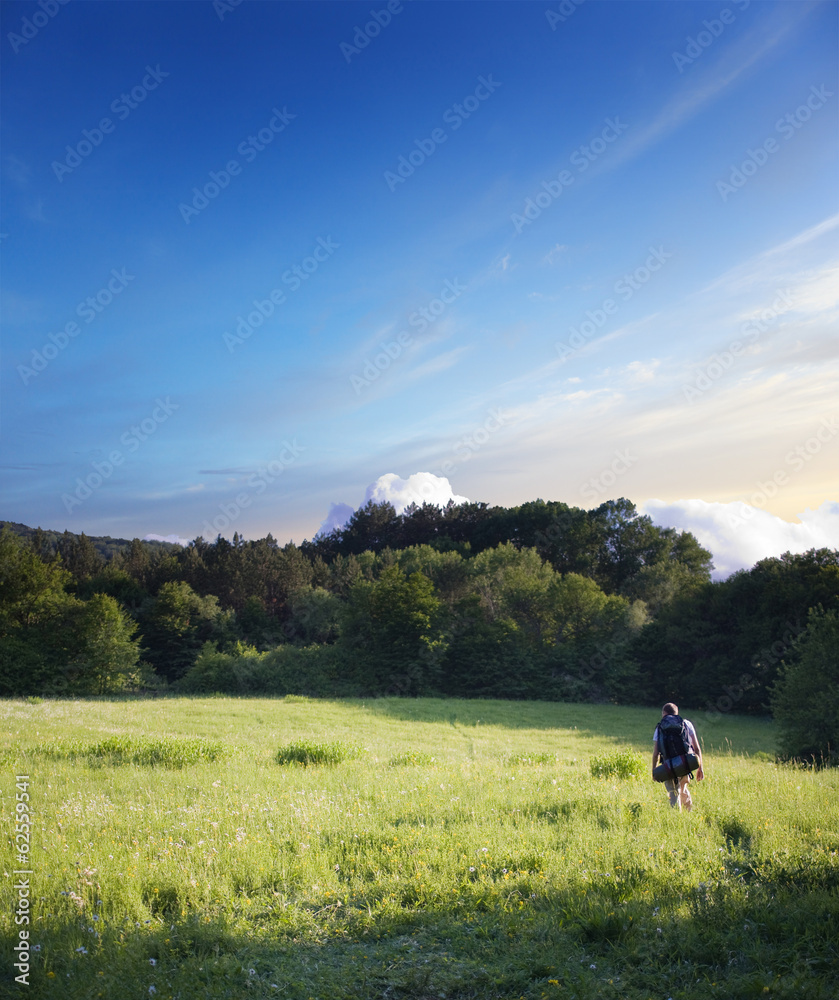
point(460, 849)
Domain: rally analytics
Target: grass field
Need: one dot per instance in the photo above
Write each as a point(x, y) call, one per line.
point(467, 852)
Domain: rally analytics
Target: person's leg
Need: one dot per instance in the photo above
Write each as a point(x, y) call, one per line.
point(670, 785)
point(685, 801)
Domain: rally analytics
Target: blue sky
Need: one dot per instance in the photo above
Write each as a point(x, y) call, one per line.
point(256, 257)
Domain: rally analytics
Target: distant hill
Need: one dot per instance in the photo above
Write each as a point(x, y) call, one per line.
point(105, 545)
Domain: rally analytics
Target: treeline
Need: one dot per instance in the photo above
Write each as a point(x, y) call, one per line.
point(66, 543)
point(537, 601)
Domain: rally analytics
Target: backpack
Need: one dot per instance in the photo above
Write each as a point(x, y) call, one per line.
point(677, 758)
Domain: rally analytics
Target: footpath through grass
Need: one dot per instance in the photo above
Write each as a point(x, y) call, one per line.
point(468, 852)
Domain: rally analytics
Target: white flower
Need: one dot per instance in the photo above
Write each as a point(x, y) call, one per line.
point(592, 966)
point(82, 951)
point(152, 990)
point(152, 961)
point(251, 972)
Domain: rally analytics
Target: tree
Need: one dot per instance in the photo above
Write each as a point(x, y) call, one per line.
point(107, 653)
point(373, 526)
point(33, 616)
point(391, 631)
point(805, 699)
point(315, 616)
point(79, 555)
point(175, 626)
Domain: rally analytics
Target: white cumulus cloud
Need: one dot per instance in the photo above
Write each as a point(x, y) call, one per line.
point(739, 535)
point(420, 488)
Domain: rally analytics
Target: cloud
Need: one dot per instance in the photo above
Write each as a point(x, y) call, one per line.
point(175, 539)
point(705, 87)
point(739, 535)
point(339, 514)
point(420, 488)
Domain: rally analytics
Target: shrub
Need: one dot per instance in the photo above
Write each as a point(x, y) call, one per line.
point(309, 752)
point(619, 764)
point(285, 670)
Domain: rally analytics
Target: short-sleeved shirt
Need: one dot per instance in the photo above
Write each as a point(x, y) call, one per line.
point(692, 739)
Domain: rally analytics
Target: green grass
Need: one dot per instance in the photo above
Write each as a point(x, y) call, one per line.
point(312, 752)
point(163, 751)
point(618, 764)
point(492, 864)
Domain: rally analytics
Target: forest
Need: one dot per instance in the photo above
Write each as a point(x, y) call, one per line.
point(539, 601)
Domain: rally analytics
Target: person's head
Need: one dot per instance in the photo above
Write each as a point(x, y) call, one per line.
point(669, 709)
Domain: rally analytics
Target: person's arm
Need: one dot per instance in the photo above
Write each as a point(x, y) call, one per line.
point(655, 755)
point(694, 739)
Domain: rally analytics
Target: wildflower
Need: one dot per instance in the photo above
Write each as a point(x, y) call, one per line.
point(152, 961)
point(251, 972)
point(82, 951)
point(592, 966)
point(152, 990)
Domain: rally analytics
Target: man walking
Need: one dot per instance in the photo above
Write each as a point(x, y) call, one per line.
point(678, 788)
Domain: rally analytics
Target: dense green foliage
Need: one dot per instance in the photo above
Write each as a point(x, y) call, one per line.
point(490, 865)
point(50, 640)
point(805, 699)
point(537, 601)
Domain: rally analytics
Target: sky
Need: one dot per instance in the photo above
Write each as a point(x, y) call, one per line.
point(263, 261)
